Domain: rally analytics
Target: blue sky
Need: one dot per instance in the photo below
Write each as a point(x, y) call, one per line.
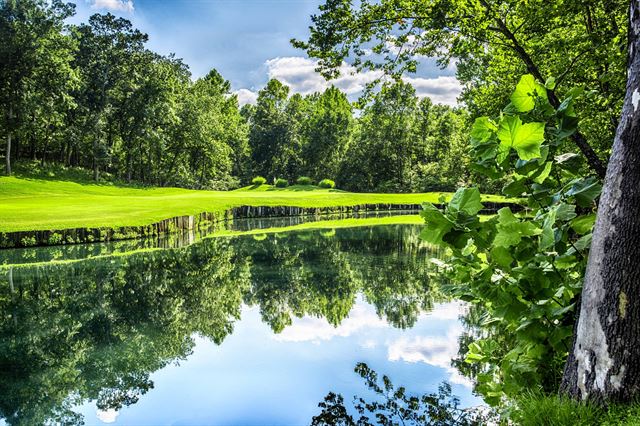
point(248, 42)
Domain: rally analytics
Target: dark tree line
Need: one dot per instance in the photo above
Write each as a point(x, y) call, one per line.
point(94, 96)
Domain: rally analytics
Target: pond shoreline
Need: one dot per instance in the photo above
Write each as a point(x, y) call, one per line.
point(201, 220)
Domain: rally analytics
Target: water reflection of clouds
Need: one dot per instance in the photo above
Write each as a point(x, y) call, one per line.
point(308, 329)
point(419, 345)
point(107, 416)
point(435, 350)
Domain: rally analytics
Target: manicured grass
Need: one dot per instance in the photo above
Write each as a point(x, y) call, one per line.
point(32, 204)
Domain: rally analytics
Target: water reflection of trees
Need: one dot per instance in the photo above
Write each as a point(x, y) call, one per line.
point(97, 329)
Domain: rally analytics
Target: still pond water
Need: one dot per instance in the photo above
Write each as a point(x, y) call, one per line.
point(246, 330)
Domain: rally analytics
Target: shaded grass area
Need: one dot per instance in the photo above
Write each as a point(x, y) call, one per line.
point(41, 204)
point(539, 410)
point(24, 257)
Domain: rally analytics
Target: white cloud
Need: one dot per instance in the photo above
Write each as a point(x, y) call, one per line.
point(310, 329)
point(441, 90)
point(300, 75)
point(246, 96)
point(116, 5)
point(107, 416)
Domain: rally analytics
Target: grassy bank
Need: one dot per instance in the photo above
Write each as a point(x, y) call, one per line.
point(33, 204)
point(78, 253)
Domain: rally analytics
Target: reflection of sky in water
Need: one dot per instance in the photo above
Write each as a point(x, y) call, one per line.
point(257, 378)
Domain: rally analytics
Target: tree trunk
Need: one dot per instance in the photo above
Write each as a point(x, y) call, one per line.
point(8, 154)
point(604, 364)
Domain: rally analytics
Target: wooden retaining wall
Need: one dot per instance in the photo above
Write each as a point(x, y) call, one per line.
point(193, 222)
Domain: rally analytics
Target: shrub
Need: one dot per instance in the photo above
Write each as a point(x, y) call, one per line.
point(282, 183)
point(327, 183)
point(28, 241)
point(259, 180)
point(304, 180)
point(55, 238)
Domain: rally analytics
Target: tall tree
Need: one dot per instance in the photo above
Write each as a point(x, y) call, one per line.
point(604, 361)
point(383, 159)
point(33, 53)
point(107, 48)
point(328, 133)
point(268, 126)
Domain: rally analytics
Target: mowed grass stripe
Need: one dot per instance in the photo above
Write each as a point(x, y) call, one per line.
point(31, 204)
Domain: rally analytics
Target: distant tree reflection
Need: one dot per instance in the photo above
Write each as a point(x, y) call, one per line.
point(97, 329)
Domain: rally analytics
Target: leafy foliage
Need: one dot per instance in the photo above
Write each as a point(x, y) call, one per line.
point(395, 406)
point(560, 44)
point(523, 268)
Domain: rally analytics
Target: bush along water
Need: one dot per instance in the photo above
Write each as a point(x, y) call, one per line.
point(258, 180)
point(327, 183)
point(304, 180)
point(521, 272)
point(281, 183)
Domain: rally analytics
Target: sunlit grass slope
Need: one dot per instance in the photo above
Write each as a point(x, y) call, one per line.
point(31, 204)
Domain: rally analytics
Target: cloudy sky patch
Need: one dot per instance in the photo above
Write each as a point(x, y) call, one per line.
point(113, 5)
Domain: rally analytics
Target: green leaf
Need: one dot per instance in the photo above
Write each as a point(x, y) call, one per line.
point(516, 187)
point(466, 200)
point(502, 256)
point(482, 130)
point(585, 191)
point(569, 161)
point(583, 243)
point(469, 248)
point(547, 238)
point(526, 139)
point(544, 173)
point(511, 230)
point(437, 224)
point(583, 224)
point(565, 211)
point(523, 98)
point(550, 83)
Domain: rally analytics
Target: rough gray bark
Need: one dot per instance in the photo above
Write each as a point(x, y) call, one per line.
point(604, 364)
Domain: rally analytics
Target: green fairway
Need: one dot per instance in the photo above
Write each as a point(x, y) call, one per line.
point(30, 204)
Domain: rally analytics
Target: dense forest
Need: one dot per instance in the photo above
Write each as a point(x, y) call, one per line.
point(94, 96)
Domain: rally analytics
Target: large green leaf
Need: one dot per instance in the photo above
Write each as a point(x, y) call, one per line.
point(482, 130)
point(511, 230)
point(437, 224)
point(523, 98)
point(466, 200)
point(526, 139)
point(547, 237)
